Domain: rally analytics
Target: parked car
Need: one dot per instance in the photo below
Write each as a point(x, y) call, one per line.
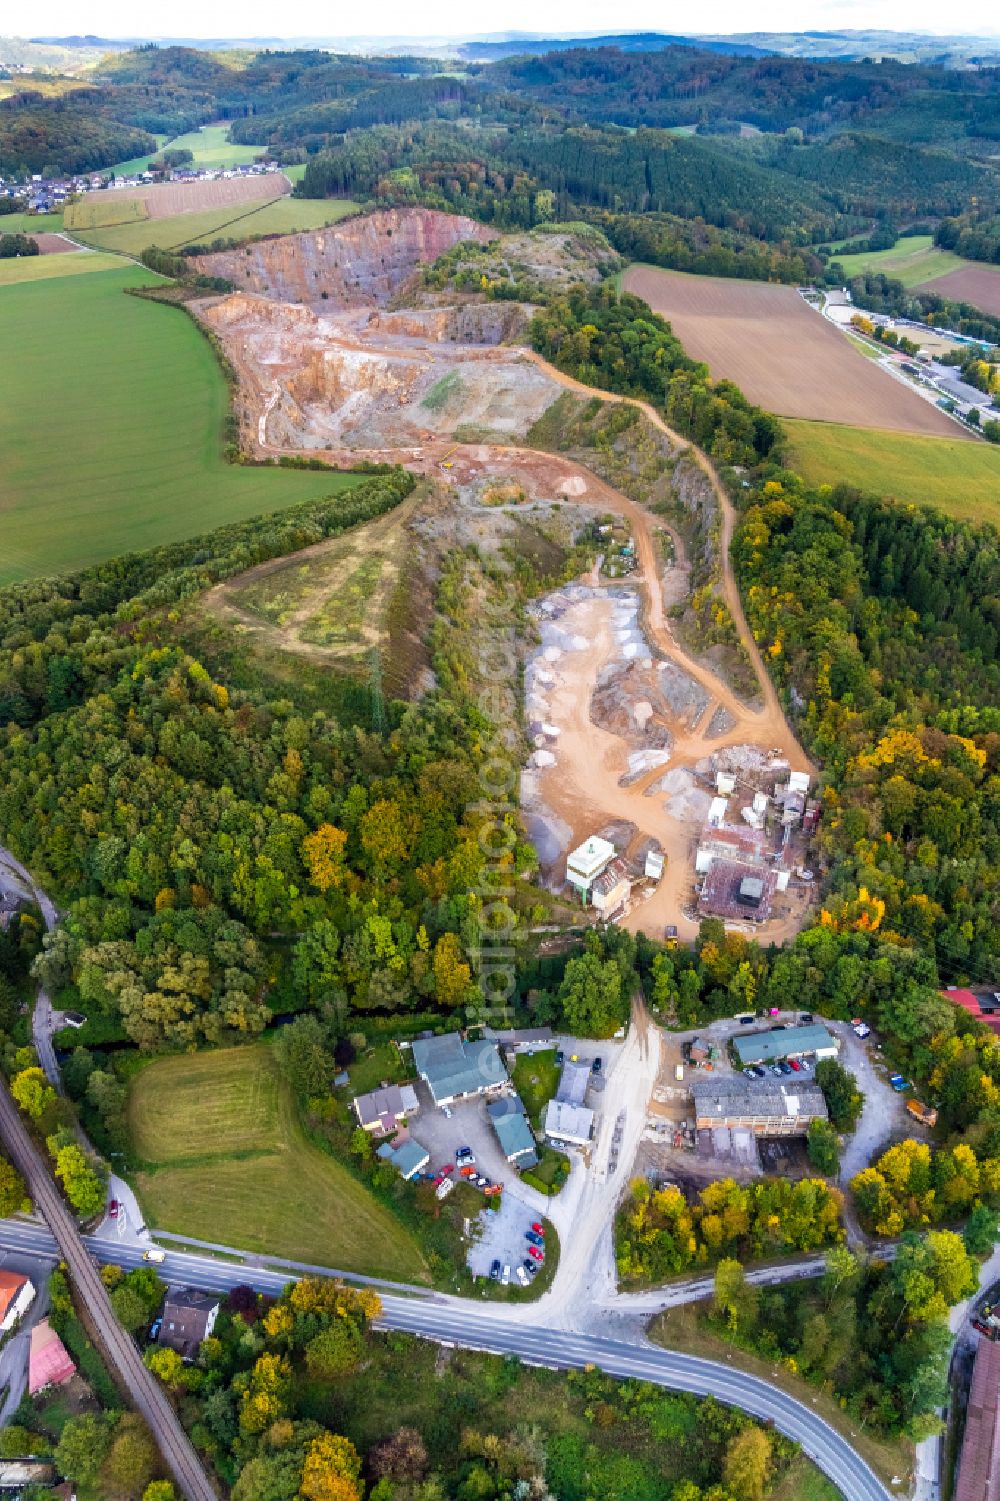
point(898, 1083)
point(861, 1028)
point(464, 1154)
point(506, 1276)
point(531, 1267)
point(495, 1270)
point(784, 1068)
point(446, 1112)
point(536, 1254)
point(480, 1181)
point(776, 1070)
point(597, 1065)
point(749, 1073)
point(154, 1328)
point(113, 1209)
point(494, 1188)
point(760, 1071)
point(560, 1058)
point(796, 1065)
point(522, 1276)
point(449, 1168)
point(538, 1228)
point(806, 1019)
point(154, 1255)
point(536, 1240)
point(438, 1180)
point(467, 1172)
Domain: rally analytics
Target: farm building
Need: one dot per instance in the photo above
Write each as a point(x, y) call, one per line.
point(382, 1111)
point(17, 1294)
point(612, 888)
point(515, 1136)
point(49, 1363)
point(791, 1042)
point(738, 891)
point(979, 1465)
point(407, 1157)
point(455, 1069)
point(767, 1107)
point(985, 1008)
point(189, 1317)
point(586, 863)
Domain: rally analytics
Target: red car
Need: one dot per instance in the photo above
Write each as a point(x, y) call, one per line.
point(536, 1253)
point(438, 1180)
point(796, 1065)
point(444, 1171)
point(113, 1208)
point(467, 1172)
point(538, 1229)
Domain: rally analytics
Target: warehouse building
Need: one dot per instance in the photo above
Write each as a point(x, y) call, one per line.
point(455, 1069)
point(767, 1107)
point(979, 1466)
point(788, 1042)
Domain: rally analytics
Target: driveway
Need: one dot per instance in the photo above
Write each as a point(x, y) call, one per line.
point(884, 1118)
point(469, 1127)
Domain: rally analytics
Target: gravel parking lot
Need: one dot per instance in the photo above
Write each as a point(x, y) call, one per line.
point(502, 1237)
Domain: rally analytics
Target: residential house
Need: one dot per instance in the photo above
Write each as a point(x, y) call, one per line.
point(382, 1111)
point(189, 1317)
point(455, 1069)
point(49, 1363)
point(17, 1293)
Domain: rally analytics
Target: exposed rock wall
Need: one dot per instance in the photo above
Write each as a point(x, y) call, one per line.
point(360, 263)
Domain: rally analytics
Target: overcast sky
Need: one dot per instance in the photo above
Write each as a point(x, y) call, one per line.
point(250, 18)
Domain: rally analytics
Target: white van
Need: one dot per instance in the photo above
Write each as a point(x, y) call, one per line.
point(506, 1276)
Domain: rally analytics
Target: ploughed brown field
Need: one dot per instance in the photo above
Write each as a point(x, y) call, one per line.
point(781, 353)
point(53, 244)
point(979, 285)
point(164, 199)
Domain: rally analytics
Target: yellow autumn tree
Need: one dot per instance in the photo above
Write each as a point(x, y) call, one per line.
point(452, 976)
point(332, 1470)
point(323, 853)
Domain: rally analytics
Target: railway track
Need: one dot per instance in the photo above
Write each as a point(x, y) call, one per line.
point(121, 1354)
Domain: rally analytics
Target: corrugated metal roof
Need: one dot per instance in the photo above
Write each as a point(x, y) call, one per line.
point(764, 1047)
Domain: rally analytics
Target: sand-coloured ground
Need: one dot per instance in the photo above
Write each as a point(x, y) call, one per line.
point(360, 263)
point(432, 389)
point(782, 353)
point(979, 285)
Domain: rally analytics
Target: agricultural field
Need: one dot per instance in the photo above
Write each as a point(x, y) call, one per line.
point(33, 268)
point(780, 352)
point(208, 145)
point(140, 403)
point(223, 1158)
point(977, 284)
point(234, 222)
point(165, 200)
point(914, 261)
point(956, 475)
point(30, 224)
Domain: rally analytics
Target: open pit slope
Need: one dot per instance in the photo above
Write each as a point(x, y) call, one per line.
point(782, 353)
point(360, 263)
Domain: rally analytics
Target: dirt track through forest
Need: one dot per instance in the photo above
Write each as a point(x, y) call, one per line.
point(584, 788)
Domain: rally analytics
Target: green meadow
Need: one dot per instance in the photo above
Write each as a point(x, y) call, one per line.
point(111, 421)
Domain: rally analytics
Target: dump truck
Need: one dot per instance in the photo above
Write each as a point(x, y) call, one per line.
point(925, 1114)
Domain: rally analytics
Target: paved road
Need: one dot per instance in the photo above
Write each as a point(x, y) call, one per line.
point(146, 1394)
point(14, 875)
point(458, 1322)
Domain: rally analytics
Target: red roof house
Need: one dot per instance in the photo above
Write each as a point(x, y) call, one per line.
point(49, 1363)
point(985, 1009)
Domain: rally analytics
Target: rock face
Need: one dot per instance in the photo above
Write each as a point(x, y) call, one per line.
point(360, 263)
point(468, 323)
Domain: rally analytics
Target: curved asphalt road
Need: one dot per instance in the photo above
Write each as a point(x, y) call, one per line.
point(145, 1392)
point(469, 1326)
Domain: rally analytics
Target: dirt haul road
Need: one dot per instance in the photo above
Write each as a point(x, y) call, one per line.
point(584, 788)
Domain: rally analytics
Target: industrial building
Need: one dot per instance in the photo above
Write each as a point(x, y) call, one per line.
point(767, 1107)
point(568, 1121)
point(738, 891)
point(979, 1465)
point(785, 1042)
point(516, 1138)
point(587, 862)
